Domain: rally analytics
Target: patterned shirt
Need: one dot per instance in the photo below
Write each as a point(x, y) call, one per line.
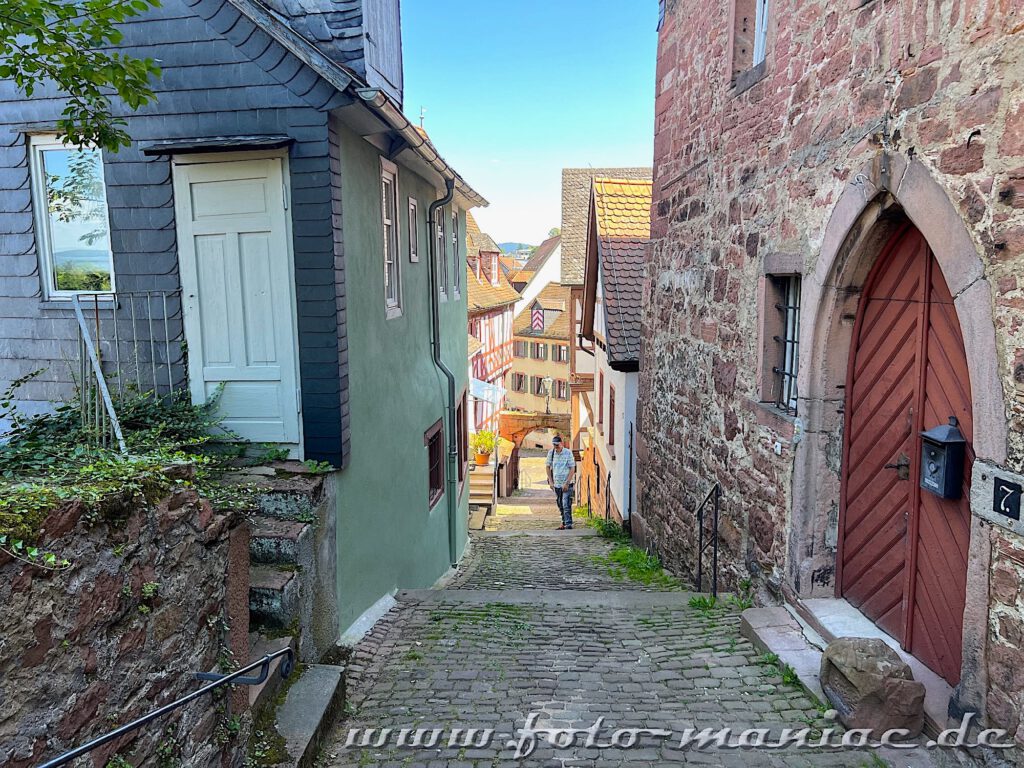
point(561, 462)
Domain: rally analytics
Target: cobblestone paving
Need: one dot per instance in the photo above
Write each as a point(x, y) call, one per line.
point(559, 560)
point(443, 661)
point(535, 626)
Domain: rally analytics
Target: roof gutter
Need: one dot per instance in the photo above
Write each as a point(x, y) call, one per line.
point(388, 111)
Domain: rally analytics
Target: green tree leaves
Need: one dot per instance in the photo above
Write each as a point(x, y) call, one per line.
point(68, 42)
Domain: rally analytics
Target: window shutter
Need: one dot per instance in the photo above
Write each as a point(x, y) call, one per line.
point(382, 26)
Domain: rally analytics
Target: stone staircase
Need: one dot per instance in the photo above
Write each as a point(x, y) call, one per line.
point(292, 602)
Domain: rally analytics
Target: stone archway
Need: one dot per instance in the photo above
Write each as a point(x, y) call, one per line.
point(884, 194)
point(514, 426)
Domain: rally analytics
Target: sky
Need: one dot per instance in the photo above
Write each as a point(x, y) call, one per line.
point(516, 90)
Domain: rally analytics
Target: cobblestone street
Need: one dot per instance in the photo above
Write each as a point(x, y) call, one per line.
point(538, 622)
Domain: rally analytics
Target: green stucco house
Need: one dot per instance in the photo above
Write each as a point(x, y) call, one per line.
point(292, 231)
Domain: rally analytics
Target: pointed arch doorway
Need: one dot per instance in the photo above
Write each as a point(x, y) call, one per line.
point(902, 557)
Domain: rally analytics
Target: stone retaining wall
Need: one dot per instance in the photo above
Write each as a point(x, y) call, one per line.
point(90, 648)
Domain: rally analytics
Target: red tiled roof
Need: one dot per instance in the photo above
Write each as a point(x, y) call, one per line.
point(554, 297)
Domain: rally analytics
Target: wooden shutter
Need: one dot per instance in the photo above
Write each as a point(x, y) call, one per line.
point(382, 25)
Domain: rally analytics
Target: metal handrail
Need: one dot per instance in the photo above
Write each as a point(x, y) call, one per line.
point(714, 494)
point(235, 678)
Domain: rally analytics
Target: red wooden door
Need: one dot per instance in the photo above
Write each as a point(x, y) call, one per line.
point(903, 551)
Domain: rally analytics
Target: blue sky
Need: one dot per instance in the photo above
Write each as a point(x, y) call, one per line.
point(516, 90)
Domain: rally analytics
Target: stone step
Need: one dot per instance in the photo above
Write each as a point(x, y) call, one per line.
point(262, 695)
point(273, 596)
point(278, 542)
point(775, 630)
point(309, 709)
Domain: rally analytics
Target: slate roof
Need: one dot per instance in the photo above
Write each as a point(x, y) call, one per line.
point(576, 188)
point(554, 297)
point(336, 28)
point(542, 254)
point(622, 225)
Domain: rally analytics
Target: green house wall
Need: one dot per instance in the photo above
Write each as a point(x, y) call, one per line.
point(389, 538)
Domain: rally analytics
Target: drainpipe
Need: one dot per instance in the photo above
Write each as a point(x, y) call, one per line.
point(435, 349)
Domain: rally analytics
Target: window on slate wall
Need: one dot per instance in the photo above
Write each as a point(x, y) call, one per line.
point(442, 255)
point(600, 401)
point(389, 219)
point(72, 221)
point(433, 439)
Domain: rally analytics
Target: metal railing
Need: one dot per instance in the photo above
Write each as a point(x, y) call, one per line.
point(715, 496)
point(128, 342)
point(235, 678)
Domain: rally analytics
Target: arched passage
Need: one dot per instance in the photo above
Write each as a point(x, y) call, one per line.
point(881, 198)
point(514, 426)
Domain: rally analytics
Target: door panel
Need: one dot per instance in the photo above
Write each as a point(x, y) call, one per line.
point(903, 551)
point(236, 277)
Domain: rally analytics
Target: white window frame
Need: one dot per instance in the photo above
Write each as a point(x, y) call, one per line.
point(760, 32)
point(40, 207)
point(414, 230)
point(495, 266)
point(457, 276)
point(442, 254)
point(390, 239)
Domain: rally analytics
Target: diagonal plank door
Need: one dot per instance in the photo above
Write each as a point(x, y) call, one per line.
point(903, 551)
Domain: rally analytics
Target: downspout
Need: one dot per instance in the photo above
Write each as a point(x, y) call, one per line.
point(435, 349)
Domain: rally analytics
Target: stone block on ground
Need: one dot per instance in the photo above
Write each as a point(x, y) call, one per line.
point(870, 686)
point(308, 710)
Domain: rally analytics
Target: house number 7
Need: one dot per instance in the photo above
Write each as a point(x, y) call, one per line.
point(1007, 499)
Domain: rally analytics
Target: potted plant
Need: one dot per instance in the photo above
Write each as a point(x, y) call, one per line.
point(483, 443)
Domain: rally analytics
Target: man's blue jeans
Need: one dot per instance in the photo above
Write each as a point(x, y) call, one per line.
point(564, 500)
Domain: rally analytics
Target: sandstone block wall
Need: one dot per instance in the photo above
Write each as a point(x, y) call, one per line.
point(87, 649)
point(747, 181)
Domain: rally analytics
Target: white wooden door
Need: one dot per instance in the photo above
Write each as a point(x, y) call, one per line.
point(238, 295)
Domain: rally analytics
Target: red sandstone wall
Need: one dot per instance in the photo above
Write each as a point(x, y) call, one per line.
point(83, 652)
point(742, 177)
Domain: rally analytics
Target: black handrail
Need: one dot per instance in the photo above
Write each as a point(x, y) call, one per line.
point(716, 494)
point(235, 678)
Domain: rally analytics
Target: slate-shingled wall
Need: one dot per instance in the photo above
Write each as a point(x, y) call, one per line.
point(221, 77)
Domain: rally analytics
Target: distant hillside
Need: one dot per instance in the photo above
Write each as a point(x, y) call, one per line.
point(510, 247)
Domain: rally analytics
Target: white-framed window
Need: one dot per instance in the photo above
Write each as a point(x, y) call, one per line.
point(442, 254)
point(560, 353)
point(459, 267)
point(494, 269)
point(561, 389)
point(389, 219)
point(760, 31)
point(414, 230)
point(518, 382)
point(72, 220)
point(539, 351)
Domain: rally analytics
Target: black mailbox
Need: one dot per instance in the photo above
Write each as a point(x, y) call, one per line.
point(942, 460)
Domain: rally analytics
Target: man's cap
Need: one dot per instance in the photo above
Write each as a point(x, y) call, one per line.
point(556, 439)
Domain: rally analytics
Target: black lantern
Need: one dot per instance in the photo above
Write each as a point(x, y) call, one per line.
point(942, 460)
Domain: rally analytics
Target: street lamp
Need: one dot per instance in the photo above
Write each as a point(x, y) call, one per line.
point(548, 381)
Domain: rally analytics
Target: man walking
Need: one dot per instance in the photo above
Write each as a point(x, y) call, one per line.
point(561, 472)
